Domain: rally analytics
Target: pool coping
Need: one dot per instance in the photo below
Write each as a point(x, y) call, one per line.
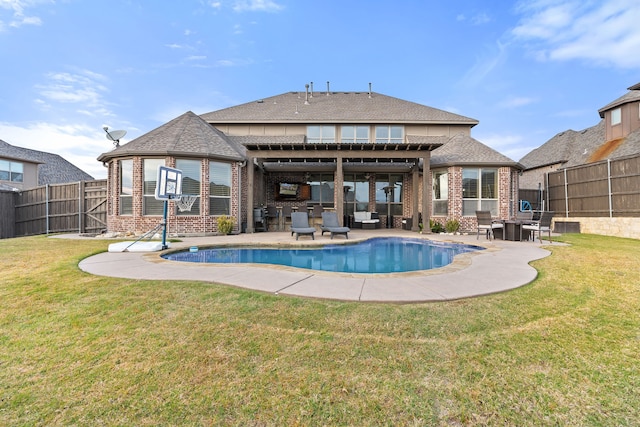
point(504, 265)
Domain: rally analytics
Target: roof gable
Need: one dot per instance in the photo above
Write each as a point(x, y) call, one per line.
point(186, 135)
point(335, 107)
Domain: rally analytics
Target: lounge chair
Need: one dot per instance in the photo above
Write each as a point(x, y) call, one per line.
point(330, 224)
point(543, 225)
point(486, 224)
point(300, 225)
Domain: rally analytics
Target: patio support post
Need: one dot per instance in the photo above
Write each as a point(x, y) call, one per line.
point(250, 178)
point(426, 192)
point(338, 191)
point(415, 175)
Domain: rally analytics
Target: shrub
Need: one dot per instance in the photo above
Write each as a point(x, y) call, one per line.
point(452, 226)
point(436, 227)
point(225, 224)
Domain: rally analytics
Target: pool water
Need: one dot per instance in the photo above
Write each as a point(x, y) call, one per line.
point(377, 255)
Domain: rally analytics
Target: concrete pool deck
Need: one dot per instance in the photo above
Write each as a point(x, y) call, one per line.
point(504, 265)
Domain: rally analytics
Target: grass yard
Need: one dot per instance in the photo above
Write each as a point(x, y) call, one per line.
point(76, 349)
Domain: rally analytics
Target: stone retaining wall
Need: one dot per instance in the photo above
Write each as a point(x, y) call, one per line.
point(618, 227)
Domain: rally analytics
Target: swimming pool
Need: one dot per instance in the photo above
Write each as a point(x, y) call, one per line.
point(377, 255)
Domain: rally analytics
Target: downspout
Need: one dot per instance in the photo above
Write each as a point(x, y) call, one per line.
point(240, 166)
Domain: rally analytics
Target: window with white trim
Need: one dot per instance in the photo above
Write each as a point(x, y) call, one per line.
point(321, 134)
point(11, 171)
point(126, 187)
point(440, 193)
point(354, 134)
point(219, 188)
point(151, 206)
point(616, 116)
point(389, 134)
point(479, 191)
point(191, 179)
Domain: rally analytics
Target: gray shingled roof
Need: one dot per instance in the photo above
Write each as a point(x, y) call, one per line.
point(631, 96)
point(462, 149)
point(186, 135)
point(337, 107)
point(52, 169)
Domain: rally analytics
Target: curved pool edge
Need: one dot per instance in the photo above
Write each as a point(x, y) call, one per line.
point(503, 267)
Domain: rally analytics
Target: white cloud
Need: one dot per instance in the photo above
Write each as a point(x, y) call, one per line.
point(78, 144)
point(510, 145)
point(605, 33)
point(83, 87)
point(486, 64)
point(17, 12)
point(516, 101)
point(256, 6)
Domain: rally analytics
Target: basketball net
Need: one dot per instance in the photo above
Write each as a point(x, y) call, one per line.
point(185, 202)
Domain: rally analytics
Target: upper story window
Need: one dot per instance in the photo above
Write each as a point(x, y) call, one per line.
point(11, 171)
point(390, 134)
point(354, 134)
point(321, 134)
point(616, 116)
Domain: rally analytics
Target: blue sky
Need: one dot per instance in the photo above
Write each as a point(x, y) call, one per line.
point(525, 69)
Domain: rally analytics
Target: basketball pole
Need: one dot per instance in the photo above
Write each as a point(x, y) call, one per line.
point(164, 225)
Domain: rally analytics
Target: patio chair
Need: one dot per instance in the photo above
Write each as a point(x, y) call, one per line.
point(330, 224)
point(272, 216)
point(316, 213)
point(286, 214)
point(543, 225)
point(486, 224)
point(300, 225)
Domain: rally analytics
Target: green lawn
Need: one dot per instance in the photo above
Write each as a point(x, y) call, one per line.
point(82, 350)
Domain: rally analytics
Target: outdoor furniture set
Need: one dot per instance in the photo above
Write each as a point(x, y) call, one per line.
point(522, 227)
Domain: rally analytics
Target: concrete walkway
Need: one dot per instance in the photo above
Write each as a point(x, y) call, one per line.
point(502, 266)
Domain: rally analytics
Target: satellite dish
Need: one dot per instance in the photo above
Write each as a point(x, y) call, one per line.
point(114, 135)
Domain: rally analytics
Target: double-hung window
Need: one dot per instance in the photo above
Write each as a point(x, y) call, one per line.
point(191, 178)
point(389, 134)
point(479, 191)
point(354, 134)
point(440, 193)
point(150, 205)
point(126, 187)
point(219, 188)
point(321, 134)
point(11, 171)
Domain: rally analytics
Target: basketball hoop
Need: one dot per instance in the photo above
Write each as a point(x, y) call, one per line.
point(185, 202)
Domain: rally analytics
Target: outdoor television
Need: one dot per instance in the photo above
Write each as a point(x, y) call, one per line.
point(286, 189)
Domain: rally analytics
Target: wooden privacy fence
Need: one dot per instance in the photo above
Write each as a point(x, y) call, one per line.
point(79, 207)
point(610, 188)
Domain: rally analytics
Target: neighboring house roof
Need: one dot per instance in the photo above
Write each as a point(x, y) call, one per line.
point(572, 148)
point(337, 107)
point(186, 135)
point(631, 96)
point(52, 168)
point(462, 149)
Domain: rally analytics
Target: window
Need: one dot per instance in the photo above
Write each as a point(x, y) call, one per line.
point(616, 116)
point(219, 188)
point(389, 134)
point(321, 134)
point(321, 188)
point(191, 178)
point(11, 171)
point(151, 206)
point(354, 134)
point(356, 193)
point(389, 194)
point(126, 187)
point(479, 191)
point(440, 193)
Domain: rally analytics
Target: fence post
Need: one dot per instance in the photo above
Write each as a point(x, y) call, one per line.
point(566, 195)
point(609, 184)
point(46, 207)
point(81, 195)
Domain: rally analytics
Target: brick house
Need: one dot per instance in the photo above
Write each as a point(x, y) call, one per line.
point(347, 151)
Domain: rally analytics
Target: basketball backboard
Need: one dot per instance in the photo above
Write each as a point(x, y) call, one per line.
point(169, 184)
